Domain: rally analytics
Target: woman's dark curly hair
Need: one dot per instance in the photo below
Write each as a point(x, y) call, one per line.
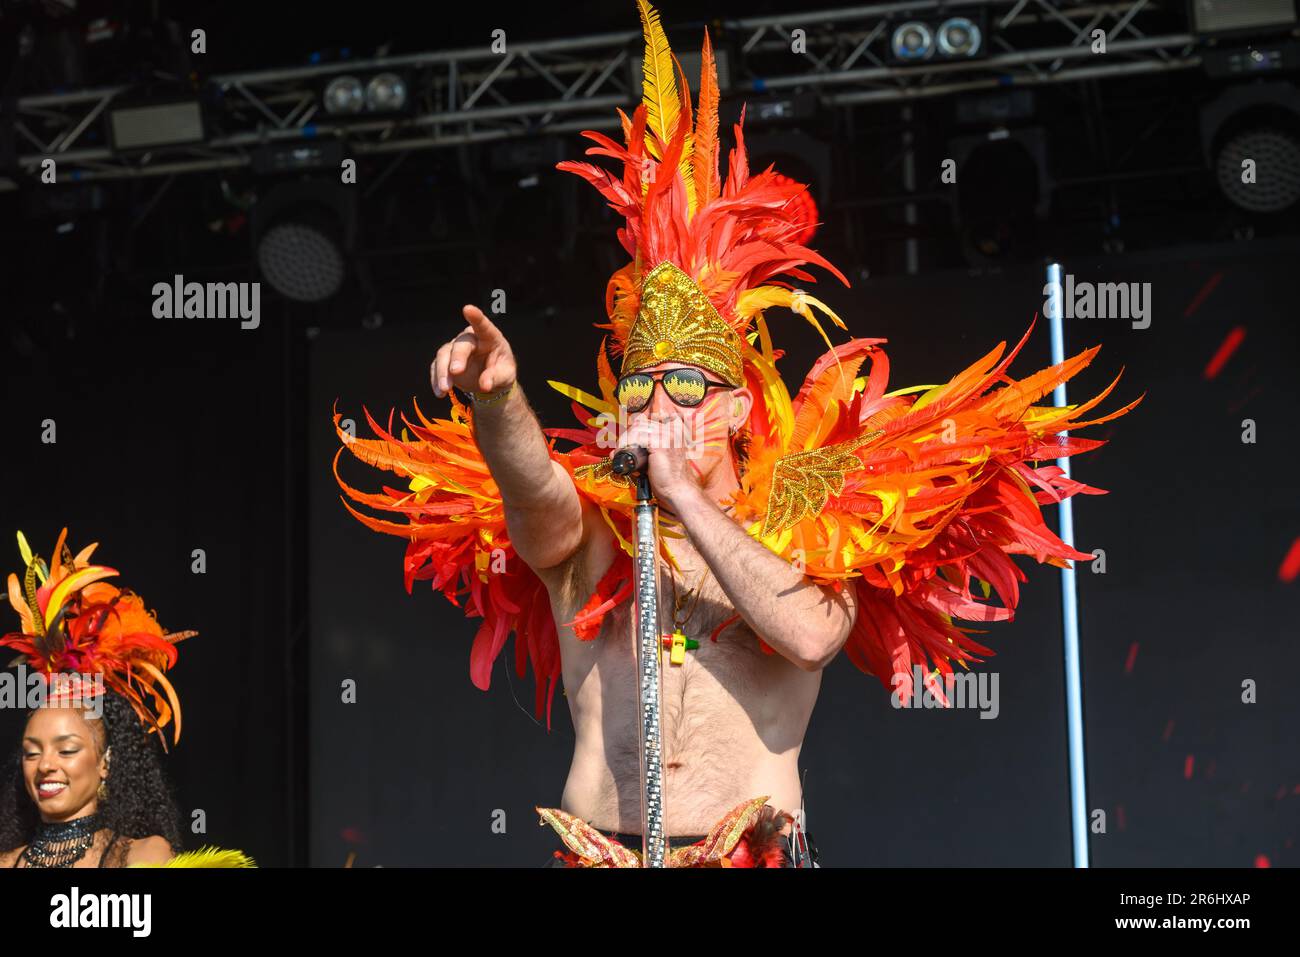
point(140, 802)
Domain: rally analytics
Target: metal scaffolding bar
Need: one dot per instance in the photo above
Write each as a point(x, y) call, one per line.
point(537, 88)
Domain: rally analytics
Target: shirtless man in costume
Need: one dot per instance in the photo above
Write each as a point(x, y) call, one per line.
point(733, 717)
point(794, 523)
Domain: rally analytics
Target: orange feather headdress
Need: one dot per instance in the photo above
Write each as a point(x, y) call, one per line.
point(703, 251)
point(74, 622)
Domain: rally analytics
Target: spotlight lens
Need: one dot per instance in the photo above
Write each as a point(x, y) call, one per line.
point(344, 94)
point(959, 37)
point(913, 41)
point(301, 262)
point(1276, 156)
point(385, 93)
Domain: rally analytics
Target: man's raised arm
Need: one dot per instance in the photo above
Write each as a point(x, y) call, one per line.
point(544, 513)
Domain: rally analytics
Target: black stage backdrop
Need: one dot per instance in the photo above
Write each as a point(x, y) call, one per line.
point(172, 436)
point(1191, 603)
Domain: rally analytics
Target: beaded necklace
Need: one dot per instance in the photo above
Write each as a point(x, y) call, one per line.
point(62, 843)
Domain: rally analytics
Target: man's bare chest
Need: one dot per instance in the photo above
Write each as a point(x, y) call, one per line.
point(720, 657)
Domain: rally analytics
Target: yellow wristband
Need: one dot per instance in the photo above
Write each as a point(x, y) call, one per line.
point(491, 398)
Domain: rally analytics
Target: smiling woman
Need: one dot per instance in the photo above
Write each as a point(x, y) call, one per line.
point(85, 786)
point(86, 792)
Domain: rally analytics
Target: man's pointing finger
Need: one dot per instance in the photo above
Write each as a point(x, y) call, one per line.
point(487, 333)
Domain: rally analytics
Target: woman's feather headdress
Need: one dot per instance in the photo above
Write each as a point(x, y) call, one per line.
point(74, 622)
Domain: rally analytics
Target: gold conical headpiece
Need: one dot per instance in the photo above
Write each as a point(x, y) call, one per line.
point(677, 323)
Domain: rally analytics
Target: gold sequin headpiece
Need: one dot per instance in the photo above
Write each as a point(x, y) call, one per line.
point(677, 323)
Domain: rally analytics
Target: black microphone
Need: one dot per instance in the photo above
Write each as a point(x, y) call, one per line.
point(631, 458)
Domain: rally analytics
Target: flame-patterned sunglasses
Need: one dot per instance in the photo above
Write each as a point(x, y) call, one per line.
point(686, 387)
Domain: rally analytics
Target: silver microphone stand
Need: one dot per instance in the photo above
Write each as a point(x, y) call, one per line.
point(645, 625)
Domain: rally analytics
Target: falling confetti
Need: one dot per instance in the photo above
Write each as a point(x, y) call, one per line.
point(1226, 348)
point(1199, 299)
point(1261, 860)
point(1235, 406)
point(1188, 763)
point(1291, 564)
point(1132, 657)
point(1169, 730)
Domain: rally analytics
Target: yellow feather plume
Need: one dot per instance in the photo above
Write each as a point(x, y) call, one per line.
point(660, 95)
point(207, 857)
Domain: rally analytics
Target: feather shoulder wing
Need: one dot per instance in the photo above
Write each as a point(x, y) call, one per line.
point(912, 496)
point(451, 514)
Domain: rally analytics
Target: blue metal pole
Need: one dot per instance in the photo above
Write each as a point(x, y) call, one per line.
point(1069, 604)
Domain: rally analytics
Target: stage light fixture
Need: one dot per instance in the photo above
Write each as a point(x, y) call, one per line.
point(297, 156)
point(386, 93)
point(1276, 154)
point(1228, 17)
point(920, 41)
point(344, 95)
point(960, 37)
point(302, 234)
point(1250, 135)
point(301, 260)
point(155, 125)
point(913, 41)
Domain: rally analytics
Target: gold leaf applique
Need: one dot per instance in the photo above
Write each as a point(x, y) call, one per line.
point(803, 481)
point(602, 471)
